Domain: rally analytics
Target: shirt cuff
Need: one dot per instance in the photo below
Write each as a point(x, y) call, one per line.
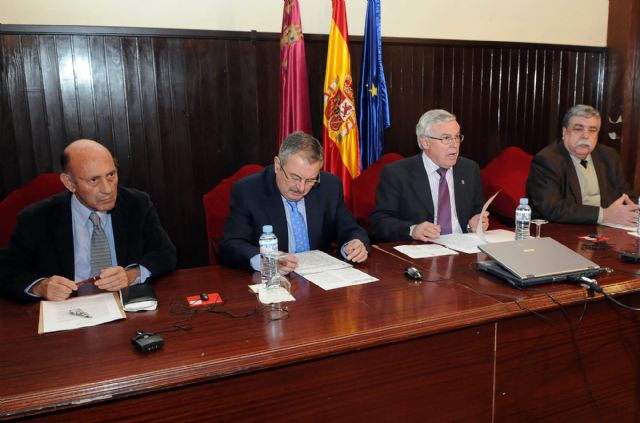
point(343, 250)
point(600, 215)
point(411, 230)
point(144, 273)
point(255, 262)
point(27, 290)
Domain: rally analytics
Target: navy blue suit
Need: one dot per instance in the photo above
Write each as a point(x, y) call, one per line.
point(42, 242)
point(403, 197)
point(256, 201)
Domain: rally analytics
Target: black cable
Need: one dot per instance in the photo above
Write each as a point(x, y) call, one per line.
point(593, 284)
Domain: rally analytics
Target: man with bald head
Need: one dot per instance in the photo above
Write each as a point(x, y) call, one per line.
point(94, 229)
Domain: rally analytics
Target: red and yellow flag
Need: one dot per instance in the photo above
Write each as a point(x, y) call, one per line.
point(341, 145)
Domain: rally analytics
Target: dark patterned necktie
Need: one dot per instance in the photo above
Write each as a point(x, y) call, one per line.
point(100, 253)
point(584, 163)
point(444, 203)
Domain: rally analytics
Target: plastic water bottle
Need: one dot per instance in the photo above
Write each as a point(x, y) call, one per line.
point(268, 254)
point(523, 219)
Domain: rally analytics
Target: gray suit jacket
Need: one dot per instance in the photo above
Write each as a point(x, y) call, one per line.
point(403, 197)
point(554, 190)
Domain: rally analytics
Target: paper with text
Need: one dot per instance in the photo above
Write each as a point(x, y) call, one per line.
point(339, 278)
point(479, 229)
point(57, 316)
point(317, 261)
point(424, 250)
point(468, 243)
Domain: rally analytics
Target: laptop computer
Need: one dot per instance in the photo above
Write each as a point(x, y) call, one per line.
point(534, 261)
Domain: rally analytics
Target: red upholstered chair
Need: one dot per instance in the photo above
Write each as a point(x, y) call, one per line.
point(363, 189)
point(39, 188)
point(508, 171)
point(216, 206)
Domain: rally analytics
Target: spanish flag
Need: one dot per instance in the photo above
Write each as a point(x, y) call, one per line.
point(341, 145)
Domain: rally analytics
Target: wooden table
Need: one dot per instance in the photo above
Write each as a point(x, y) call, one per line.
point(461, 346)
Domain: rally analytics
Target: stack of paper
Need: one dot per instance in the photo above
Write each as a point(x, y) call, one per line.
point(328, 272)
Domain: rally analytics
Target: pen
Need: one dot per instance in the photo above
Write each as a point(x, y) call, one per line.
point(92, 279)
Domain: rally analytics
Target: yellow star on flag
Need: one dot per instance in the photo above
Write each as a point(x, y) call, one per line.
point(373, 90)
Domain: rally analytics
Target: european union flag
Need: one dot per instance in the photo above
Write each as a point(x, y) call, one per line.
point(374, 103)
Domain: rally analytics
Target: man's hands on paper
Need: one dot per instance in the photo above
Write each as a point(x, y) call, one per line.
point(426, 231)
point(623, 211)
point(116, 278)
point(55, 288)
point(287, 263)
point(473, 222)
point(356, 251)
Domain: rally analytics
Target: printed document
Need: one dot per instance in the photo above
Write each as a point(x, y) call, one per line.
point(339, 278)
point(317, 261)
point(424, 250)
point(468, 243)
point(79, 312)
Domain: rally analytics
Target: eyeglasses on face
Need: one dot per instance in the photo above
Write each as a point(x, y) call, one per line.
point(591, 130)
point(448, 139)
point(296, 180)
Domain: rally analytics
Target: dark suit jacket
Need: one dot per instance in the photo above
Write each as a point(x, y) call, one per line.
point(256, 201)
point(42, 242)
point(554, 190)
point(403, 197)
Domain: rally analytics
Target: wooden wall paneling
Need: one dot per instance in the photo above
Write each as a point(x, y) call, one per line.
point(39, 140)
point(21, 164)
point(184, 109)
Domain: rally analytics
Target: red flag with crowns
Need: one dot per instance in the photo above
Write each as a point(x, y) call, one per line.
point(295, 114)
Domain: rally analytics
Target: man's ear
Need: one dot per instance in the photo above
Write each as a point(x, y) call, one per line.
point(66, 179)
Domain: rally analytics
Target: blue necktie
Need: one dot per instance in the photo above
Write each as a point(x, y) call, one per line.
point(300, 234)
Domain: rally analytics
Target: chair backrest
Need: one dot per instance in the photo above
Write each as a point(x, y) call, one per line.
point(363, 190)
point(39, 188)
point(508, 172)
point(216, 206)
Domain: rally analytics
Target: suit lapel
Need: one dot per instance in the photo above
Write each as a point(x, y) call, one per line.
point(275, 211)
point(64, 237)
point(314, 210)
point(570, 173)
point(119, 224)
point(420, 185)
point(602, 180)
point(461, 195)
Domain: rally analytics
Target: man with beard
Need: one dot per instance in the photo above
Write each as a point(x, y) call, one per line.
point(577, 180)
point(95, 229)
point(433, 193)
point(304, 205)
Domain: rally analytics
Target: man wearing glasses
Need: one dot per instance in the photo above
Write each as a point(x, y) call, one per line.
point(575, 180)
point(304, 205)
point(433, 193)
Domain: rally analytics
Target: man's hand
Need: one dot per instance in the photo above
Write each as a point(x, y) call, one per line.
point(356, 251)
point(473, 222)
point(55, 288)
point(116, 278)
point(623, 211)
point(426, 231)
point(287, 263)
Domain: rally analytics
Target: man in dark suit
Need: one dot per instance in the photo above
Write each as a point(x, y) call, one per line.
point(576, 180)
point(293, 184)
point(95, 229)
point(432, 193)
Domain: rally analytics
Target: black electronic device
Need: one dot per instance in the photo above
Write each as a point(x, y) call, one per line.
point(147, 341)
point(204, 296)
point(629, 257)
point(413, 273)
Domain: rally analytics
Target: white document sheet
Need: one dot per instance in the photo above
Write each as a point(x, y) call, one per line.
point(57, 315)
point(618, 226)
point(424, 250)
point(271, 295)
point(468, 243)
point(479, 229)
point(317, 261)
point(339, 278)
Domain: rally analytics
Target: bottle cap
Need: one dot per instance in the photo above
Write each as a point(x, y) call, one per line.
point(267, 229)
point(524, 201)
